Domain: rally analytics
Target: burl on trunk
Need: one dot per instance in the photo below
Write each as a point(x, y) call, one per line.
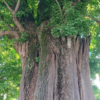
point(62, 73)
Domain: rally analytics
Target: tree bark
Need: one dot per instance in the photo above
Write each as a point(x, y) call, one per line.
point(62, 73)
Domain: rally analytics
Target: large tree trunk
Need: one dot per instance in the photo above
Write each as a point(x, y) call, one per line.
point(63, 71)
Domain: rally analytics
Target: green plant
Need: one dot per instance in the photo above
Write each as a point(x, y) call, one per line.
point(70, 22)
point(23, 38)
point(37, 46)
point(37, 59)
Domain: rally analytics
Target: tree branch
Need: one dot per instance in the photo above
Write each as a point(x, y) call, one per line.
point(8, 6)
point(14, 33)
point(13, 12)
point(59, 6)
point(17, 6)
point(94, 20)
point(1, 77)
point(9, 27)
point(17, 23)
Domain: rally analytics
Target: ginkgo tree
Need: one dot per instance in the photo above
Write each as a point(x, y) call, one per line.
point(52, 38)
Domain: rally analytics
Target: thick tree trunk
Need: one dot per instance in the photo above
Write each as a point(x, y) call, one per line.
point(29, 66)
point(63, 71)
point(29, 78)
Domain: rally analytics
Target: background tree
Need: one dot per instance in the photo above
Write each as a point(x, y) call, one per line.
point(10, 70)
point(52, 39)
point(96, 92)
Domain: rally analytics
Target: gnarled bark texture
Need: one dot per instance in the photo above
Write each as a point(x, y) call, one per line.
point(62, 73)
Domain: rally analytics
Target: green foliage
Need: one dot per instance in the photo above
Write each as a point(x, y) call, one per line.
point(96, 91)
point(37, 46)
point(33, 4)
point(94, 53)
point(71, 23)
point(23, 13)
point(10, 70)
point(37, 59)
point(5, 17)
point(23, 38)
point(44, 10)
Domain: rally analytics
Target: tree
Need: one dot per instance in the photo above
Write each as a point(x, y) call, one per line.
point(52, 39)
point(96, 92)
point(10, 70)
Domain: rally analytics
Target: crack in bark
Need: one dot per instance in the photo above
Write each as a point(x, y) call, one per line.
point(59, 85)
point(78, 63)
point(83, 47)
